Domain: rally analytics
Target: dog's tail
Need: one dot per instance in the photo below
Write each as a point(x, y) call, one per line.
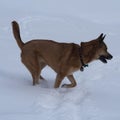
point(16, 33)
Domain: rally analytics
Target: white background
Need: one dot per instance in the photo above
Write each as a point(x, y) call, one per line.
point(97, 95)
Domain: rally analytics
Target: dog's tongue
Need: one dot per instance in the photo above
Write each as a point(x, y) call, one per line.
point(102, 58)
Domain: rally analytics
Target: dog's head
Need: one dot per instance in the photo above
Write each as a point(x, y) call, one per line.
point(96, 50)
point(102, 53)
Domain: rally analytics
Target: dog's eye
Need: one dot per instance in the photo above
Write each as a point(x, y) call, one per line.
point(105, 48)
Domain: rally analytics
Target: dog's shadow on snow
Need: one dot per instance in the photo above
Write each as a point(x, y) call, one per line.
point(7, 74)
point(13, 76)
point(47, 83)
point(25, 79)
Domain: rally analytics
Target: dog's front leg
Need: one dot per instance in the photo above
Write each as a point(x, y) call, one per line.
point(58, 80)
point(72, 80)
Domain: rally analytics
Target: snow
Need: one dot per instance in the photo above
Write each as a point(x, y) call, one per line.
point(97, 94)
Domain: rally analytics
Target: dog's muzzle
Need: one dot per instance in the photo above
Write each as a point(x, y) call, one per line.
point(105, 58)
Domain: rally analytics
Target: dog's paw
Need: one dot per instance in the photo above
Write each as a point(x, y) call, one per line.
point(64, 86)
point(68, 85)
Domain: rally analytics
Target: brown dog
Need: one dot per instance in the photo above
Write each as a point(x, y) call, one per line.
point(63, 58)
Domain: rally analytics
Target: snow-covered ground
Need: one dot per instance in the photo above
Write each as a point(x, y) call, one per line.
point(97, 95)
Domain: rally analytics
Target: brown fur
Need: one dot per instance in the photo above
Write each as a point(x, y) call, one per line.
point(63, 58)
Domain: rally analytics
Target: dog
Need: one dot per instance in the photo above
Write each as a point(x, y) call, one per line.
point(63, 58)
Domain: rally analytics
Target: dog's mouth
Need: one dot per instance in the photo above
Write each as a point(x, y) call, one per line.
point(105, 58)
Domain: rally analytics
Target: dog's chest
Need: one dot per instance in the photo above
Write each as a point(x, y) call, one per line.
point(72, 70)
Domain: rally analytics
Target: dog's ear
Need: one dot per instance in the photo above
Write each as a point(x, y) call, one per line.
point(101, 37)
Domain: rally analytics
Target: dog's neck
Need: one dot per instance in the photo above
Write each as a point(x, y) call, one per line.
point(81, 60)
point(86, 53)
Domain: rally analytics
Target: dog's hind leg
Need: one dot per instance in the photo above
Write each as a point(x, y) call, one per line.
point(35, 77)
point(42, 65)
point(35, 74)
point(41, 78)
point(72, 80)
point(32, 65)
